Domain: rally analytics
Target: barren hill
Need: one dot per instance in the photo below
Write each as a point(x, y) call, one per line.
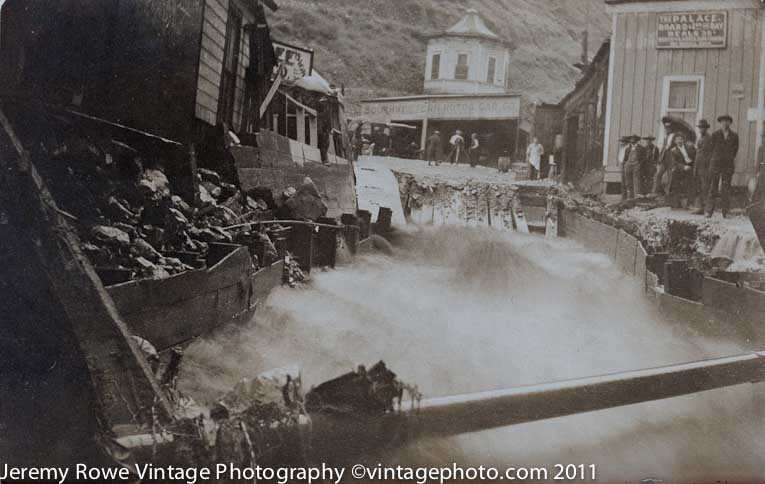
point(377, 47)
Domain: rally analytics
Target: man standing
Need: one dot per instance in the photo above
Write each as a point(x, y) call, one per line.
point(433, 147)
point(634, 160)
point(458, 145)
point(682, 158)
point(701, 166)
point(723, 148)
point(664, 159)
point(652, 153)
point(534, 154)
point(473, 150)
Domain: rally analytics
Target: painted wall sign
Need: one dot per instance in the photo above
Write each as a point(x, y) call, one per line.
point(462, 107)
point(295, 62)
point(692, 30)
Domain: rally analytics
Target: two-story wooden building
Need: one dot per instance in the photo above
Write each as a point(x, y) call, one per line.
point(688, 59)
point(189, 71)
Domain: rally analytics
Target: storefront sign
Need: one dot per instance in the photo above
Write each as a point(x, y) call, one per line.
point(458, 107)
point(692, 30)
point(295, 63)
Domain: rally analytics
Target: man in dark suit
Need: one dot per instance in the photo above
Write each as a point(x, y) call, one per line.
point(723, 149)
point(634, 162)
point(652, 158)
point(433, 148)
point(682, 156)
point(664, 160)
point(701, 166)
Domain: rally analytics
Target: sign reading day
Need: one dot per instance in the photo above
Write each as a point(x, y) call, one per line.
point(692, 30)
point(294, 62)
point(478, 107)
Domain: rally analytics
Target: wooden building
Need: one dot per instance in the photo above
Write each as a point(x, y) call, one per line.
point(465, 87)
point(189, 71)
point(583, 117)
point(688, 59)
point(171, 68)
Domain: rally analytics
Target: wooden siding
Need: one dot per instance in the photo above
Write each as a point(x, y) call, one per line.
point(640, 69)
point(211, 61)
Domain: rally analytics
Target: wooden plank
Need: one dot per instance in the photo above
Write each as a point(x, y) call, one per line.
point(651, 114)
point(148, 294)
point(214, 34)
point(617, 111)
point(626, 252)
point(212, 57)
point(218, 8)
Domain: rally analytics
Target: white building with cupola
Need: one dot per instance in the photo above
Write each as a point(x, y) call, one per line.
point(467, 58)
point(466, 87)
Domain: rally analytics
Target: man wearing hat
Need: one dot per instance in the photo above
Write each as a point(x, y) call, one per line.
point(633, 162)
point(433, 147)
point(664, 158)
point(652, 158)
point(701, 166)
point(723, 150)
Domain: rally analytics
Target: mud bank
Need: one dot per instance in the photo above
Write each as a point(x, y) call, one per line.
point(431, 200)
point(709, 244)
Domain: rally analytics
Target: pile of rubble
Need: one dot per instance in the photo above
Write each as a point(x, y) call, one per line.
point(133, 223)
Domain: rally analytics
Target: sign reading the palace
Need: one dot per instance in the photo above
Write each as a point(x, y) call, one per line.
point(447, 107)
point(692, 30)
point(295, 63)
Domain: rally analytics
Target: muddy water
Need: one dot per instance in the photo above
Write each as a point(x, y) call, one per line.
point(460, 310)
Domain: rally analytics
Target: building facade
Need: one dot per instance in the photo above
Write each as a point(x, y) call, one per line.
point(690, 60)
point(468, 58)
point(465, 87)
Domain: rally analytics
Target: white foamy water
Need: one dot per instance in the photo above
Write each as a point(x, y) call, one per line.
point(459, 310)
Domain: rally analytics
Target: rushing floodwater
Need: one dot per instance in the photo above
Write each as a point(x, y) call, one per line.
point(460, 310)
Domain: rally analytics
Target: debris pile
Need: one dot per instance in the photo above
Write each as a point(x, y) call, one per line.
point(370, 392)
point(132, 221)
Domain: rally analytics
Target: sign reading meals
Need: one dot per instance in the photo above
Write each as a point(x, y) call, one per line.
point(692, 30)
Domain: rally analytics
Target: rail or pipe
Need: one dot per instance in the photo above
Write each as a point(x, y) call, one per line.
point(473, 412)
point(284, 222)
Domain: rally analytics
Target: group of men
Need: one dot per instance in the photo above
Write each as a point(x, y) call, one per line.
point(457, 152)
point(699, 171)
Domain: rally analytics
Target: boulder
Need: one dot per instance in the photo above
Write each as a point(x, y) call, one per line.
point(213, 189)
point(306, 203)
point(110, 236)
point(141, 248)
point(209, 176)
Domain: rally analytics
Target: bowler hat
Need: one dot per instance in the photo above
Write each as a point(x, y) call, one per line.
point(703, 124)
point(649, 138)
point(634, 137)
point(723, 117)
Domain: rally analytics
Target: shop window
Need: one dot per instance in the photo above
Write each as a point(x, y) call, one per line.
point(490, 74)
point(683, 98)
point(461, 70)
point(435, 67)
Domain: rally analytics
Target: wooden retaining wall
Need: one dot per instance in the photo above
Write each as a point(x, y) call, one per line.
point(724, 310)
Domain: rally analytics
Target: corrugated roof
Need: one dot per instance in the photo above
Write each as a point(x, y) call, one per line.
point(471, 25)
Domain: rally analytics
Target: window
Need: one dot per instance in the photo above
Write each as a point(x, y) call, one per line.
point(492, 67)
point(230, 67)
point(435, 66)
point(683, 98)
point(461, 70)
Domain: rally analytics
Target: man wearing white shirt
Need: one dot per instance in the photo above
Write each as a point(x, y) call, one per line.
point(534, 154)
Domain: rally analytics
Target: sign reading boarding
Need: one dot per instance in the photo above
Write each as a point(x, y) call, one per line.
point(692, 30)
point(295, 63)
point(445, 108)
